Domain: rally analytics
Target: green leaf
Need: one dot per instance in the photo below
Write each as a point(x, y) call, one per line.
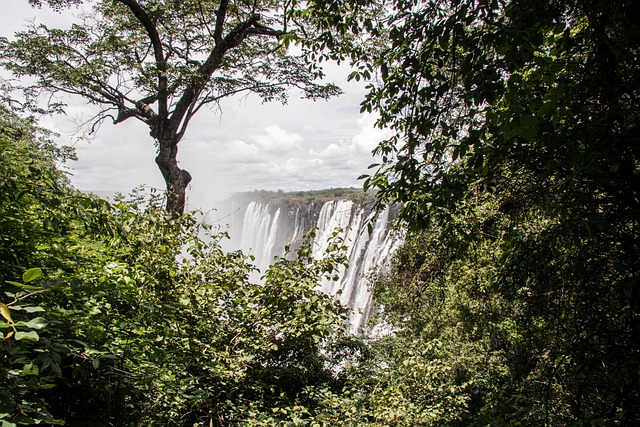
point(46, 386)
point(23, 286)
point(37, 323)
point(6, 312)
point(79, 371)
point(31, 335)
point(31, 275)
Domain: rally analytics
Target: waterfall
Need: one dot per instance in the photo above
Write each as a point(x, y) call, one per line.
point(263, 229)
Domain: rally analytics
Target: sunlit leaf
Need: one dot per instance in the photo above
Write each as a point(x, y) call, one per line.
point(31, 274)
point(6, 312)
point(37, 323)
point(31, 335)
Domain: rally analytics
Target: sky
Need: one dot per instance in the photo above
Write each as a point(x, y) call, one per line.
point(304, 145)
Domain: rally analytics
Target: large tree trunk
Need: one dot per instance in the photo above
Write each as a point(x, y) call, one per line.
point(176, 179)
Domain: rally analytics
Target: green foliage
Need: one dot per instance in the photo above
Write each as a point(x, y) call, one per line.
point(128, 316)
point(516, 159)
point(534, 301)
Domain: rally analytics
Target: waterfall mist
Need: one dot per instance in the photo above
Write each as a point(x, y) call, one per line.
point(263, 228)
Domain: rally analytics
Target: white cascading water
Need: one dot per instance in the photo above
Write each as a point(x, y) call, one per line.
point(264, 229)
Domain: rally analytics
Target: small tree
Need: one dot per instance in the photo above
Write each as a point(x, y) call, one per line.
point(161, 61)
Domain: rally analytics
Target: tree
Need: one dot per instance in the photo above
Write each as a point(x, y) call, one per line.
point(471, 85)
point(161, 61)
point(527, 111)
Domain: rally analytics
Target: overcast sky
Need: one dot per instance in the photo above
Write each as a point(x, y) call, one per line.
point(304, 145)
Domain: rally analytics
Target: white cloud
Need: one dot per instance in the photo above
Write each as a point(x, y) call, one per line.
point(240, 152)
point(369, 135)
point(358, 148)
point(277, 141)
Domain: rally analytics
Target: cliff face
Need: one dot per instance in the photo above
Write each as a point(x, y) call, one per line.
point(263, 228)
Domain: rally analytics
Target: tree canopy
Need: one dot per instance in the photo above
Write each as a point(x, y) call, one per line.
point(161, 62)
point(516, 157)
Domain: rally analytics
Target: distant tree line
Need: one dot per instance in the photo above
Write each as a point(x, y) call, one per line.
point(305, 197)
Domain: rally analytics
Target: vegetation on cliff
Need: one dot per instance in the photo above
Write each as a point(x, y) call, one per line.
point(516, 157)
point(295, 198)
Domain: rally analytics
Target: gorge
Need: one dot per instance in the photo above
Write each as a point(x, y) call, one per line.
point(262, 224)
